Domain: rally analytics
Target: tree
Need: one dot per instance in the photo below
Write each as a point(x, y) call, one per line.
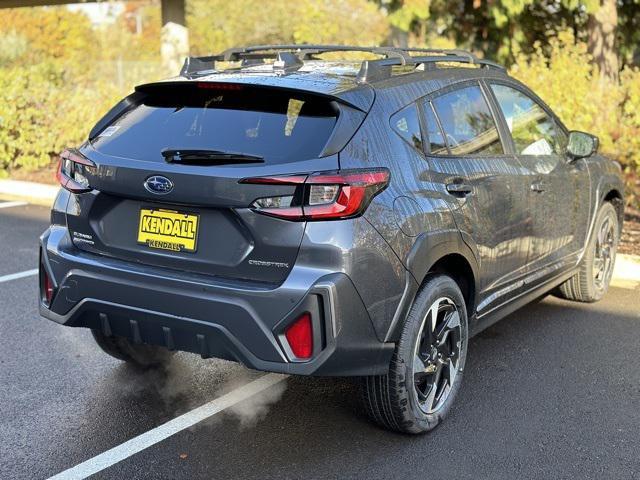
point(218, 24)
point(48, 33)
point(503, 28)
point(602, 27)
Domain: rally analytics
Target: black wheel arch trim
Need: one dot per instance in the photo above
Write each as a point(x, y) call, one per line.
point(611, 184)
point(427, 250)
point(608, 184)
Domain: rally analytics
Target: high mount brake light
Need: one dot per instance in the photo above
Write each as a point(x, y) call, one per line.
point(322, 196)
point(219, 86)
point(72, 171)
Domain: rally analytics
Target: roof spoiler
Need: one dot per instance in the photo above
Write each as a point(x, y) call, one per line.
point(361, 101)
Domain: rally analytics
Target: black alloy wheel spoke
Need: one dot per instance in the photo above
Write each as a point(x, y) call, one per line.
point(451, 322)
point(432, 397)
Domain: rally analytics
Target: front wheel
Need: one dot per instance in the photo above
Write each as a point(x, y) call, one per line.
point(426, 368)
point(596, 268)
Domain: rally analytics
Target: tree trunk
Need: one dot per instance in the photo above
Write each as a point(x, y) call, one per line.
point(398, 37)
point(602, 39)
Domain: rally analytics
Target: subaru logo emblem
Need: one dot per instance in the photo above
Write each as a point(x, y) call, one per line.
point(158, 184)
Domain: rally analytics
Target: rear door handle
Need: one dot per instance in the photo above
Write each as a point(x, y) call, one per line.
point(538, 187)
point(459, 188)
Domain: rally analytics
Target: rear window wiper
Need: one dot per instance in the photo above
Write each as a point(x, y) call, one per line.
point(208, 157)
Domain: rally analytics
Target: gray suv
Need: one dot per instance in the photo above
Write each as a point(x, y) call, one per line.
point(327, 217)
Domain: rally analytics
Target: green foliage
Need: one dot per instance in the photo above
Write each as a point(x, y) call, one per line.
point(12, 47)
point(500, 29)
point(50, 33)
point(218, 24)
point(409, 12)
point(45, 108)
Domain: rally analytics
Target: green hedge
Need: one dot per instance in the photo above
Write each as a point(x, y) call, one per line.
point(49, 106)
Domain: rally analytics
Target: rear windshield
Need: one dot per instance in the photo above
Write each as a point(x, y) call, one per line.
point(277, 125)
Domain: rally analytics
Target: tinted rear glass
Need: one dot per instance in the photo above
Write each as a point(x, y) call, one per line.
point(277, 125)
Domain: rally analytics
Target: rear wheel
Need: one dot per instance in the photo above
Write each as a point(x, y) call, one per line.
point(427, 366)
point(596, 268)
point(141, 355)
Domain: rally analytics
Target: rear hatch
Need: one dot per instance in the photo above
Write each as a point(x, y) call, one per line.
point(166, 188)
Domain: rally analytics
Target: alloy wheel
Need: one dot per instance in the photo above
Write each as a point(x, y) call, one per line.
point(605, 251)
point(437, 355)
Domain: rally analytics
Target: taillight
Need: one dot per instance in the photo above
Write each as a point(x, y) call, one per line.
point(73, 170)
point(322, 196)
point(300, 337)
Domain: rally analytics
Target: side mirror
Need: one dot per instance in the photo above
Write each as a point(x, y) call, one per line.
point(581, 145)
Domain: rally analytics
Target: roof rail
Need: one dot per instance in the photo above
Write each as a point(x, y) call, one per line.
point(198, 64)
point(305, 51)
point(374, 70)
point(290, 57)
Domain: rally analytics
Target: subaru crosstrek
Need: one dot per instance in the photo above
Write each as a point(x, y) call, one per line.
point(328, 217)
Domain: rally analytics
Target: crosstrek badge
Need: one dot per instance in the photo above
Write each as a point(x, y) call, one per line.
point(168, 230)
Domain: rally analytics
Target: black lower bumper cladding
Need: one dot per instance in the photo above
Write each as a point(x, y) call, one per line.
point(213, 320)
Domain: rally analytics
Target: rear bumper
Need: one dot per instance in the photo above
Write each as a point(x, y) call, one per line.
point(211, 317)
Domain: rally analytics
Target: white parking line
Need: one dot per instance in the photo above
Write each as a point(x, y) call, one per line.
point(16, 276)
point(189, 419)
point(12, 204)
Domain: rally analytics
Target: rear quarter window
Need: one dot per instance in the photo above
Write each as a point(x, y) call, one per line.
point(406, 123)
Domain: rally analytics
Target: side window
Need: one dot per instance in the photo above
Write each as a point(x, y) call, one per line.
point(467, 122)
point(533, 130)
point(406, 124)
point(437, 145)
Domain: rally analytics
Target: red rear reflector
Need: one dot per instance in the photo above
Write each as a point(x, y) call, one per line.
point(300, 336)
point(47, 287)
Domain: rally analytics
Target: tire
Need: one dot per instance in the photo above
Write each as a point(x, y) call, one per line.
point(596, 267)
point(402, 400)
point(145, 356)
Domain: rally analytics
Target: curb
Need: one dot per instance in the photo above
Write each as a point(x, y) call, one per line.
point(32, 192)
point(626, 272)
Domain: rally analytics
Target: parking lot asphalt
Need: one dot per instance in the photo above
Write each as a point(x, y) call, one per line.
point(552, 391)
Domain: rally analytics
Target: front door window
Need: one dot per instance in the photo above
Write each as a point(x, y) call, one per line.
point(533, 130)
